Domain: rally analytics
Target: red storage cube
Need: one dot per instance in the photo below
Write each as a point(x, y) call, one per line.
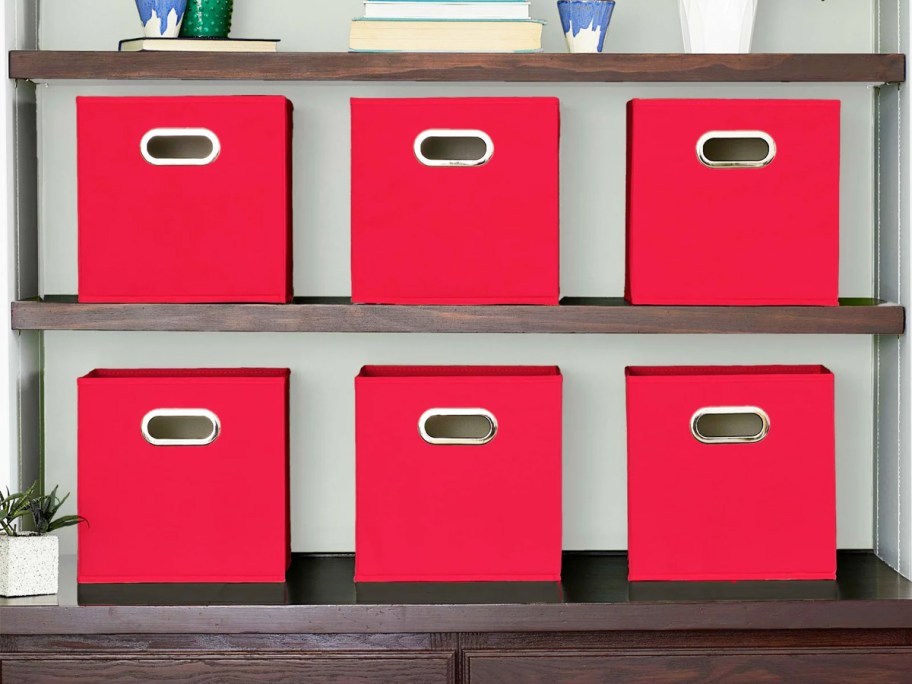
point(183, 476)
point(458, 474)
point(455, 201)
point(731, 473)
point(184, 199)
point(733, 202)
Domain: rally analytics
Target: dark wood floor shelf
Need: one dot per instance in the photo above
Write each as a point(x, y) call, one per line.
point(45, 65)
point(574, 315)
point(321, 597)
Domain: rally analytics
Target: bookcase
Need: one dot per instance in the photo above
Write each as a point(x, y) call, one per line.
point(595, 626)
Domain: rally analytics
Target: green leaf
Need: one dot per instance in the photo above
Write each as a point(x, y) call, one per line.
point(66, 521)
point(54, 504)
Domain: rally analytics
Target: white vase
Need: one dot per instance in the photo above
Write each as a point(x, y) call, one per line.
point(718, 26)
point(28, 565)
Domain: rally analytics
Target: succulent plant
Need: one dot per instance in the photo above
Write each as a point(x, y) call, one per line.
point(42, 508)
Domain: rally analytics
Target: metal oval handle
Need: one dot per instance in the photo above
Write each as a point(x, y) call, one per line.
point(457, 441)
point(730, 410)
point(181, 413)
point(178, 133)
point(453, 133)
point(736, 164)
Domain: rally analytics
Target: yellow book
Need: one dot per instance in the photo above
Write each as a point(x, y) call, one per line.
point(398, 35)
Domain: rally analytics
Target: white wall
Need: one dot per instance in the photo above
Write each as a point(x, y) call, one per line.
point(323, 25)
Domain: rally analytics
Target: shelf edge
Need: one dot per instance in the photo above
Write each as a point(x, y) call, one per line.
point(605, 317)
point(47, 65)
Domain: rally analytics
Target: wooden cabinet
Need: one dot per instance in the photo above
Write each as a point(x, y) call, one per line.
point(883, 666)
point(434, 668)
point(738, 667)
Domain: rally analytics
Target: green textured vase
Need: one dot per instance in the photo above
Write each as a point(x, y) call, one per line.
point(207, 19)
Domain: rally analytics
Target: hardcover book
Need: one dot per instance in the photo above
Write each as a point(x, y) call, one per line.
point(198, 45)
point(464, 9)
point(396, 35)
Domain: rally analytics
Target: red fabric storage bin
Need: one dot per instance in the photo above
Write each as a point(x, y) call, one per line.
point(755, 221)
point(441, 511)
point(156, 227)
point(702, 506)
point(183, 476)
point(426, 231)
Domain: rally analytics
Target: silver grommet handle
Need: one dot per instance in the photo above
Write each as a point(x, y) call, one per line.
point(180, 427)
point(180, 146)
point(736, 149)
point(449, 147)
point(457, 427)
point(730, 425)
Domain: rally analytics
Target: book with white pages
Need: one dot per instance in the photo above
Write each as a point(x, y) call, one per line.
point(397, 9)
point(198, 45)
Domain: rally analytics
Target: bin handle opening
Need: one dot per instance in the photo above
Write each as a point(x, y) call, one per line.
point(180, 427)
point(730, 425)
point(457, 427)
point(180, 147)
point(736, 149)
point(440, 147)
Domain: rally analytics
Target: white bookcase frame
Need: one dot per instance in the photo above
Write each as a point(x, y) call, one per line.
point(20, 352)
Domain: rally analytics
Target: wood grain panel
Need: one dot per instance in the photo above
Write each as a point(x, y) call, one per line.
point(796, 667)
point(348, 669)
point(881, 614)
point(700, 640)
point(582, 316)
point(543, 67)
point(262, 644)
point(594, 596)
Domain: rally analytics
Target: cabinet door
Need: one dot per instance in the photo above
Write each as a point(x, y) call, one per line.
point(348, 668)
point(878, 666)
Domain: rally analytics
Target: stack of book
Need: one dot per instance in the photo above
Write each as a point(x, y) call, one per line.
point(446, 26)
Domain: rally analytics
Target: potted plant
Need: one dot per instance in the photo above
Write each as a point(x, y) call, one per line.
point(718, 26)
point(29, 559)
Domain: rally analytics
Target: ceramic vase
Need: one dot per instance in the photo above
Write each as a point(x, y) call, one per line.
point(585, 23)
point(161, 18)
point(28, 565)
point(718, 26)
point(208, 19)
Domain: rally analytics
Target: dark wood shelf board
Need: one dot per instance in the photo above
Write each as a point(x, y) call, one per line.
point(594, 596)
point(45, 65)
point(574, 315)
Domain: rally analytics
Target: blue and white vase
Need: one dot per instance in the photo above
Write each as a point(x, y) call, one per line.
point(585, 23)
point(162, 18)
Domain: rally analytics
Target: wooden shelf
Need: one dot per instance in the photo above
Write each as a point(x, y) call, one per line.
point(45, 65)
point(574, 315)
point(320, 597)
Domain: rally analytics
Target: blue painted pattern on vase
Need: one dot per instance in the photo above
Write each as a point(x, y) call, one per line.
point(161, 18)
point(585, 23)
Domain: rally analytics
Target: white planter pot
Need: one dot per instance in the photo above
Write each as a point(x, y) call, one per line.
point(28, 565)
point(718, 26)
